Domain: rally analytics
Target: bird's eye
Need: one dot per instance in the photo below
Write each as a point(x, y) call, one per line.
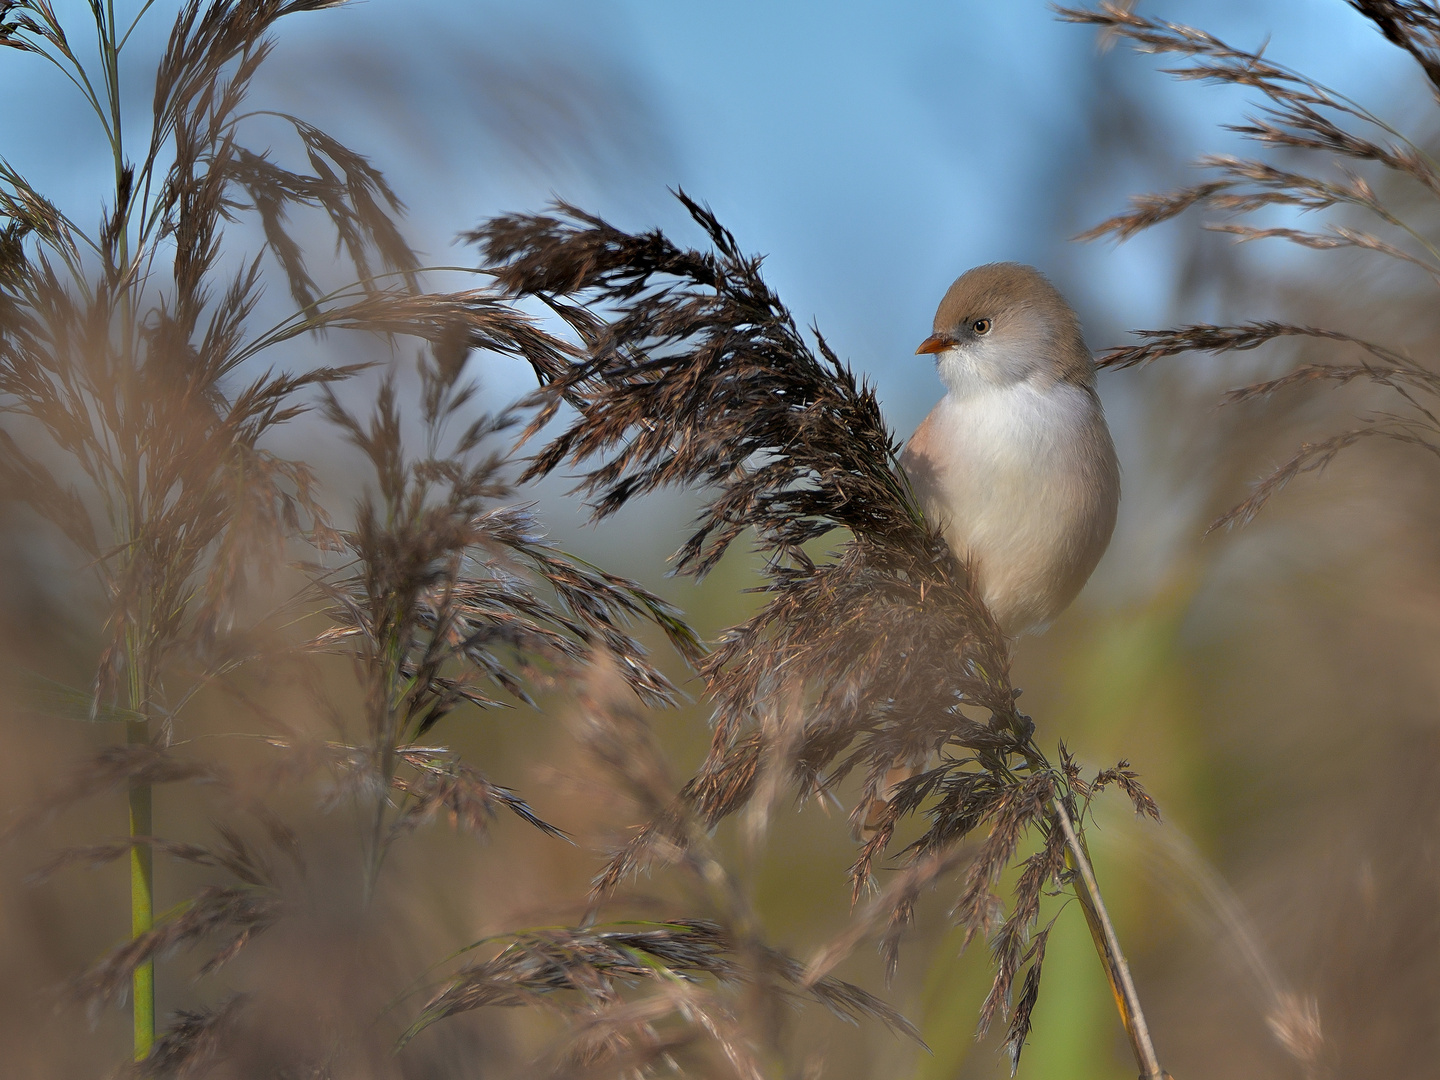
point(981, 326)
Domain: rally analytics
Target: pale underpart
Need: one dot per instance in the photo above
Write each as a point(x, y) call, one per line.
point(1022, 479)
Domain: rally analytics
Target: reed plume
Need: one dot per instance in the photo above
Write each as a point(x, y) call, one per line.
point(705, 994)
point(135, 350)
point(451, 594)
point(1319, 141)
point(694, 373)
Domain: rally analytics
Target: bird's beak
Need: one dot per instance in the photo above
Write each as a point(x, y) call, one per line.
point(936, 343)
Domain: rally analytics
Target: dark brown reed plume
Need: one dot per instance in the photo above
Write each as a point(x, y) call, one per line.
point(129, 353)
point(1318, 141)
point(694, 373)
point(451, 596)
point(706, 995)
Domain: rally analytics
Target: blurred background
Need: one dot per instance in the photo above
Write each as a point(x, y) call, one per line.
point(1274, 685)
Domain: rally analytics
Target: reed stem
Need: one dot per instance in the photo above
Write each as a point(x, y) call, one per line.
point(142, 898)
point(1102, 931)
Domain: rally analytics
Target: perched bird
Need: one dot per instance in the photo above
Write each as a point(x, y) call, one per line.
point(1015, 464)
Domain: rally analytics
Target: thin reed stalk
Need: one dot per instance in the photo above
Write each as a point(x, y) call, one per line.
point(142, 899)
point(1107, 945)
point(137, 732)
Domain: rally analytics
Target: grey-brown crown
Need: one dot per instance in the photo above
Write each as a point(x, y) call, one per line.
point(1017, 299)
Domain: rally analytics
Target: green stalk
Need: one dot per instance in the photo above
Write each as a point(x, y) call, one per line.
point(1107, 946)
point(142, 899)
point(142, 856)
point(1097, 919)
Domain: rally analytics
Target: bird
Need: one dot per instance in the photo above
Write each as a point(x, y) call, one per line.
point(1015, 465)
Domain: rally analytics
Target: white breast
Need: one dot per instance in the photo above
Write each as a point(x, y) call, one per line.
point(1025, 484)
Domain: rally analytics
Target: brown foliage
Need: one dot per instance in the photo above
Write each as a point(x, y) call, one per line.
point(1311, 123)
point(694, 373)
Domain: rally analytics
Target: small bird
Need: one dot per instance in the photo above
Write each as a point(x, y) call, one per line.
point(1015, 464)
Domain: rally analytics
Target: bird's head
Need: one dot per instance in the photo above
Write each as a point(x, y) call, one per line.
point(1004, 323)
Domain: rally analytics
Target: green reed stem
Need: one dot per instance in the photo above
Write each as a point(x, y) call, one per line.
point(142, 898)
point(142, 856)
point(1097, 919)
point(1107, 945)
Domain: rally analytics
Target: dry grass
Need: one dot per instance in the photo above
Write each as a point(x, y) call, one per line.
point(1327, 136)
point(694, 373)
point(129, 356)
point(137, 426)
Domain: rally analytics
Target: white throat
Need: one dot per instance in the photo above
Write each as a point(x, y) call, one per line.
point(988, 363)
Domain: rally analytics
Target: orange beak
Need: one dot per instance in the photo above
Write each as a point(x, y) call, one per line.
point(936, 343)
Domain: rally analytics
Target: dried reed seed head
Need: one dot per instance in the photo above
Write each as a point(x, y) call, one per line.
point(597, 963)
point(147, 394)
point(1301, 115)
point(444, 783)
point(696, 375)
point(240, 912)
point(193, 1040)
point(158, 386)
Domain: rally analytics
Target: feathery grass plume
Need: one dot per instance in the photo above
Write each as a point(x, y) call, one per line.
point(1333, 136)
point(132, 350)
point(192, 1042)
point(646, 993)
point(694, 373)
point(236, 913)
point(452, 596)
point(675, 958)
